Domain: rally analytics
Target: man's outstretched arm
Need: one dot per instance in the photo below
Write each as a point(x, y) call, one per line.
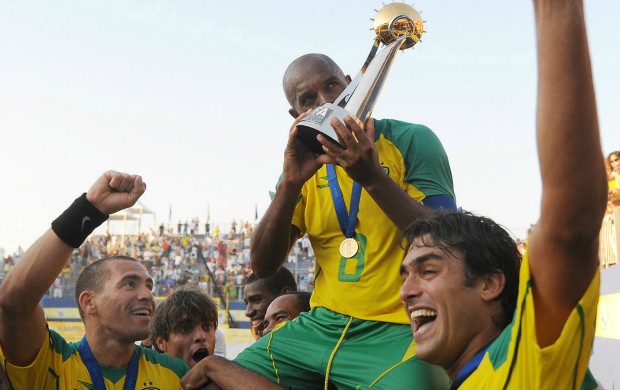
point(22, 321)
point(220, 372)
point(564, 243)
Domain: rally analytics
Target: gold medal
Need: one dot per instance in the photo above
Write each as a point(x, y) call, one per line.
point(349, 247)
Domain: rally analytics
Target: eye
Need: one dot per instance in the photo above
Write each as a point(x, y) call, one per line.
point(307, 100)
point(428, 271)
point(207, 327)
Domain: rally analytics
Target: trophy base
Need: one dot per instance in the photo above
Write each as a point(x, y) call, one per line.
point(318, 122)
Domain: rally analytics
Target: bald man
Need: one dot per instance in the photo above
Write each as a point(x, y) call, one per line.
point(284, 308)
point(390, 173)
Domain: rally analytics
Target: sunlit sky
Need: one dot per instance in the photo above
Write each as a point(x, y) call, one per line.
point(188, 94)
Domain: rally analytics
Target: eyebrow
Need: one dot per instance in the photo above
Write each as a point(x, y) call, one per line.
point(134, 277)
point(424, 258)
point(280, 312)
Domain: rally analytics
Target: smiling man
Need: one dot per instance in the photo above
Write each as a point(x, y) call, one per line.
point(286, 307)
point(260, 292)
point(184, 326)
point(114, 300)
point(469, 309)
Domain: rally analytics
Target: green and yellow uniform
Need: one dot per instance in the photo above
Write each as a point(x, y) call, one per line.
point(358, 333)
point(515, 361)
point(58, 365)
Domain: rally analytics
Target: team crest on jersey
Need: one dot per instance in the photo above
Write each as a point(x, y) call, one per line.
point(322, 185)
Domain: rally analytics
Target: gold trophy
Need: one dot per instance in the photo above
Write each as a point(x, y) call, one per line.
point(398, 26)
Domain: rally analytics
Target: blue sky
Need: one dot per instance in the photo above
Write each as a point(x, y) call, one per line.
point(188, 94)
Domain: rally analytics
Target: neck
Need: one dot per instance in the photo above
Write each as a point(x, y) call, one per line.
point(109, 352)
point(472, 350)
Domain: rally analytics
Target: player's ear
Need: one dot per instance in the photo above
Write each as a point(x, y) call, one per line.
point(161, 344)
point(86, 302)
point(348, 78)
point(492, 286)
point(286, 290)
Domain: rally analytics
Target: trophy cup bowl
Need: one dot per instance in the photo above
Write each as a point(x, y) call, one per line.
point(398, 26)
point(396, 20)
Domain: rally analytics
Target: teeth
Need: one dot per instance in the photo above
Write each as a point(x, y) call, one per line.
point(423, 313)
point(257, 323)
point(141, 312)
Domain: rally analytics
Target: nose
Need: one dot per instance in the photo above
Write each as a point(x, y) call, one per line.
point(145, 293)
point(268, 328)
point(249, 311)
point(200, 334)
point(322, 98)
point(410, 288)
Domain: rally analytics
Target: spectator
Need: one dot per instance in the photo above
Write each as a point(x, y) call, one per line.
point(57, 293)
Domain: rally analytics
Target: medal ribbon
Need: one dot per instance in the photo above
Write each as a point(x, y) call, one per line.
point(347, 222)
point(95, 371)
point(470, 367)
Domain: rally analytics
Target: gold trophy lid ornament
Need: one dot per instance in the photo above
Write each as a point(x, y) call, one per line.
point(396, 20)
point(398, 26)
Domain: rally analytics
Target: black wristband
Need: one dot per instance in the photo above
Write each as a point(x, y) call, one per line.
point(77, 222)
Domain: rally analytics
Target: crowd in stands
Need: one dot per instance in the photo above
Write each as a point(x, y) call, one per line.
point(179, 256)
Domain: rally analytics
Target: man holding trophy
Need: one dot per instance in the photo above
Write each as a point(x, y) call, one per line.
point(353, 184)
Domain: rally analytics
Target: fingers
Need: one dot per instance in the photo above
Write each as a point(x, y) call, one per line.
point(299, 118)
point(121, 182)
point(138, 188)
point(369, 128)
point(115, 191)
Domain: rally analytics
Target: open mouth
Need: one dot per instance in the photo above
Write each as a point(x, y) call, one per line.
point(422, 317)
point(258, 324)
point(200, 354)
point(141, 313)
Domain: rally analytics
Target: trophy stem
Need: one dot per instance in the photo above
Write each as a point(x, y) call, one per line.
point(345, 95)
point(363, 101)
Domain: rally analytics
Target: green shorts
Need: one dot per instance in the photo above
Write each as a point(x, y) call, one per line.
point(323, 349)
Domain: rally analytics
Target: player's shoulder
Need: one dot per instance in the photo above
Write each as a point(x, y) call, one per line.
point(157, 358)
point(396, 130)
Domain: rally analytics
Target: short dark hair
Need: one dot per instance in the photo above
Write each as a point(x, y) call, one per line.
point(275, 283)
point(94, 276)
point(186, 303)
point(303, 299)
point(487, 248)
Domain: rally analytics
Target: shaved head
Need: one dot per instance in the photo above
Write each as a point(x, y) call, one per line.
point(304, 68)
